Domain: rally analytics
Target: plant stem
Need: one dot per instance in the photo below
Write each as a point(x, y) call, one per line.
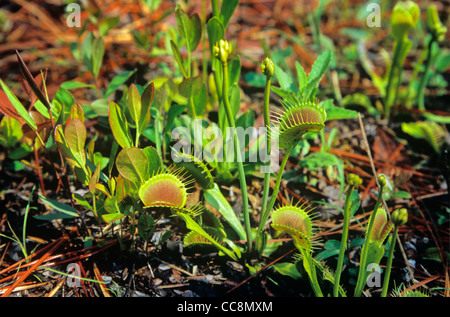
point(268, 208)
point(308, 264)
point(390, 85)
point(268, 146)
point(387, 273)
point(215, 7)
point(344, 238)
point(362, 263)
point(240, 165)
point(423, 82)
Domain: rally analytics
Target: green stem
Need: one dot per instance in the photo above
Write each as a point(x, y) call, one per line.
point(310, 267)
point(423, 82)
point(362, 263)
point(390, 84)
point(240, 165)
point(268, 208)
point(344, 238)
point(266, 186)
point(215, 7)
point(268, 144)
point(387, 273)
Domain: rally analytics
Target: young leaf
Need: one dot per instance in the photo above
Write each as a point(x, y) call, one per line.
point(301, 76)
point(215, 31)
point(18, 106)
point(119, 125)
point(190, 86)
point(216, 199)
point(196, 32)
point(227, 10)
point(134, 104)
point(61, 207)
point(155, 163)
point(178, 58)
point(98, 50)
point(318, 69)
point(146, 103)
point(112, 217)
point(146, 226)
point(75, 133)
point(94, 179)
point(61, 143)
point(133, 164)
point(117, 81)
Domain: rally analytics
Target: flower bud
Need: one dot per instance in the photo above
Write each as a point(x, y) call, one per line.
point(404, 18)
point(437, 29)
point(221, 50)
point(354, 180)
point(399, 217)
point(382, 180)
point(267, 67)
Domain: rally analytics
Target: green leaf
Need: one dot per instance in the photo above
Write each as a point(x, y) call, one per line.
point(107, 24)
point(355, 202)
point(86, 51)
point(318, 69)
point(227, 10)
point(190, 86)
point(287, 269)
point(154, 160)
point(94, 179)
point(192, 225)
point(18, 106)
point(61, 143)
point(285, 81)
point(196, 32)
point(234, 71)
point(336, 113)
point(201, 101)
point(146, 226)
point(215, 31)
point(98, 50)
point(11, 132)
point(75, 133)
point(69, 85)
point(134, 104)
point(61, 207)
point(178, 58)
point(108, 218)
point(216, 199)
point(146, 102)
point(301, 76)
point(117, 81)
point(174, 111)
point(119, 125)
point(133, 164)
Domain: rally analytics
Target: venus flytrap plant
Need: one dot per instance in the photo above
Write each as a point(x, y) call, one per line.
point(297, 222)
point(300, 117)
